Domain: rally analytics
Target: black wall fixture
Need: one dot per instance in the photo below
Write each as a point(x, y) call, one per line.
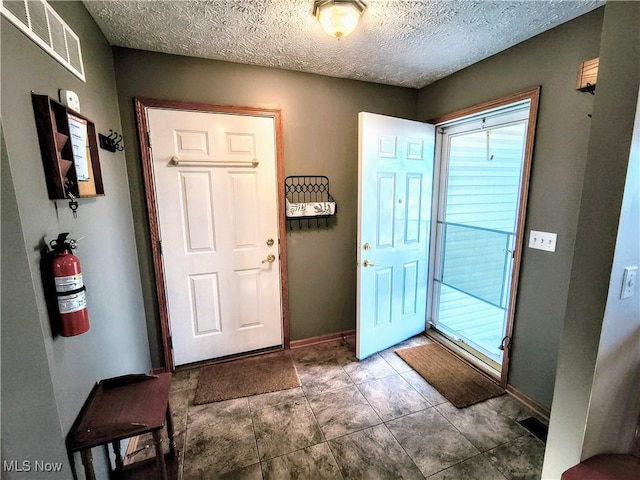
point(112, 142)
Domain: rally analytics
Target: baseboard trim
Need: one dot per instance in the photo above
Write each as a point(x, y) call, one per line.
point(532, 404)
point(330, 337)
point(229, 358)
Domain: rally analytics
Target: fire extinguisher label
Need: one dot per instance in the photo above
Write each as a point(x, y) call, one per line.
point(71, 282)
point(72, 303)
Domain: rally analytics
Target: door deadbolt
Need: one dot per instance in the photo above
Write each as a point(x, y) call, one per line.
point(270, 242)
point(367, 246)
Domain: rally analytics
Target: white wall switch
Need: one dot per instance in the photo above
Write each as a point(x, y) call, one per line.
point(543, 240)
point(629, 282)
point(70, 99)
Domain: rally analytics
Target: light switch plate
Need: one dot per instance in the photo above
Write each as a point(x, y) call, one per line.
point(629, 282)
point(543, 240)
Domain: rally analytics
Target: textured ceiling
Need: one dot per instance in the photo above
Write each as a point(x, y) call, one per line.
point(398, 42)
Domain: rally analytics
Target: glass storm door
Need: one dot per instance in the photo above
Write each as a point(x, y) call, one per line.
point(481, 173)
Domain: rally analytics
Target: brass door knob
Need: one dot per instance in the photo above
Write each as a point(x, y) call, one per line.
point(270, 258)
point(367, 263)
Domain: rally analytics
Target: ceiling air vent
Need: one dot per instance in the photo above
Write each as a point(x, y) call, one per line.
point(39, 21)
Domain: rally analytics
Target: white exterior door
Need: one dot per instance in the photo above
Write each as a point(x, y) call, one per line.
point(216, 192)
point(395, 172)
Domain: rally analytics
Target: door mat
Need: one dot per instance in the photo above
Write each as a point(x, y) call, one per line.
point(248, 376)
point(459, 383)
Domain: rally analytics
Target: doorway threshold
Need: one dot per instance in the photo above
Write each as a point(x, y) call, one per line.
point(229, 358)
point(480, 364)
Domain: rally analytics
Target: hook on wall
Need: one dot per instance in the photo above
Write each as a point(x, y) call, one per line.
point(111, 142)
point(590, 88)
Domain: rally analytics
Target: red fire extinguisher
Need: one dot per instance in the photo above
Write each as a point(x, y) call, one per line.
point(70, 290)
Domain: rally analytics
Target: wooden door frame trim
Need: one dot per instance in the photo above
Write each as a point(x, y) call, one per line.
point(533, 95)
point(140, 107)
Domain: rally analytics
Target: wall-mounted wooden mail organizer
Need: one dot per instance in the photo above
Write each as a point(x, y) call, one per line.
point(69, 150)
point(308, 201)
point(588, 75)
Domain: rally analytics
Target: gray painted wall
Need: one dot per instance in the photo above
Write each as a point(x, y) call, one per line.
point(550, 60)
point(26, 382)
point(320, 131)
point(45, 380)
point(581, 420)
point(615, 397)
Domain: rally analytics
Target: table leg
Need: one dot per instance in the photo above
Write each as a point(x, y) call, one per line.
point(157, 441)
point(116, 450)
point(172, 442)
point(87, 461)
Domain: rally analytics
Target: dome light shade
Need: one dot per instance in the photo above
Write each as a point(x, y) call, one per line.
point(338, 18)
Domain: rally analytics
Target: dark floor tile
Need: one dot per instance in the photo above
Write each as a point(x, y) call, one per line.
point(372, 368)
point(520, 459)
point(179, 401)
point(373, 453)
point(220, 439)
point(311, 463)
point(393, 359)
point(271, 399)
point(342, 411)
point(323, 378)
point(476, 468)
point(510, 407)
point(251, 472)
point(389, 355)
point(483, 427)
point(285, 428)
point(423, 387)
point(431, 441)
point(184, 380)
point(338, 352)
point(392, 397)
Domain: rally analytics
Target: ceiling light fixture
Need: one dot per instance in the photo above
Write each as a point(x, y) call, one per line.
point(338, 18)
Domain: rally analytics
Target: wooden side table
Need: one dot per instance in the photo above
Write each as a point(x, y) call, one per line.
point(123, 407)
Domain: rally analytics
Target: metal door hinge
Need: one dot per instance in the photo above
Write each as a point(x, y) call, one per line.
point(170, 342)
point(149, 138)
point(160, 246)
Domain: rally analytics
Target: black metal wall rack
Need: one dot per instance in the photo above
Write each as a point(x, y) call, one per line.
point(308, 201)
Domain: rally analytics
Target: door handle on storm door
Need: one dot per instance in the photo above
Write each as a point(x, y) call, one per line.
point(270, 258)
point(367, 263)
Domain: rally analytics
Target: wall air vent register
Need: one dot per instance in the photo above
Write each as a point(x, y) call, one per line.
point(39, 21)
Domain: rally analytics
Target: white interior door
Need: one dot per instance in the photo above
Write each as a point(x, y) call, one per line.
point(395, 174)
point(218, 221)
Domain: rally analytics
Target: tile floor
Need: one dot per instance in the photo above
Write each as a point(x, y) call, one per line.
point(375, 419)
